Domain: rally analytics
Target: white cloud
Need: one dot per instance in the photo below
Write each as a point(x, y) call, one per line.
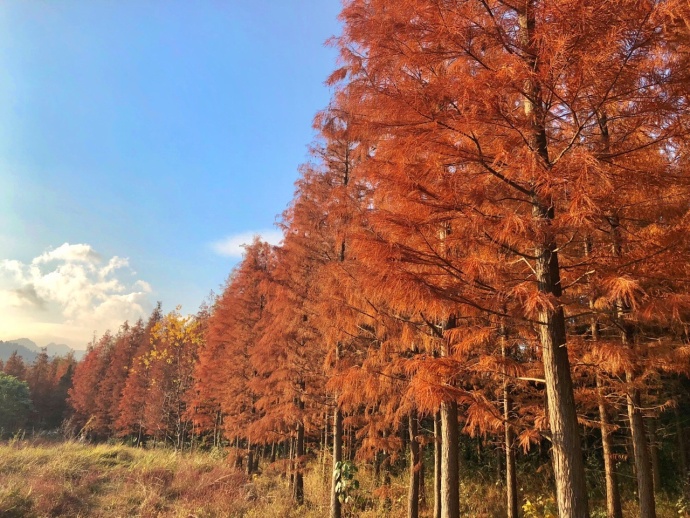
point(233, 246)
point(70, 253)
point(69, 293)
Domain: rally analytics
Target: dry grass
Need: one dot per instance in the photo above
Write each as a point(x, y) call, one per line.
point(76, 480)
point(69, 479)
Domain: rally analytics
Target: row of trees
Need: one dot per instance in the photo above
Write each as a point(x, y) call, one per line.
point(490, 240)
point(35, 395)
point(137, 383)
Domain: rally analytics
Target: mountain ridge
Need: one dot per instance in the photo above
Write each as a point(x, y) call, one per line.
point(29, 350)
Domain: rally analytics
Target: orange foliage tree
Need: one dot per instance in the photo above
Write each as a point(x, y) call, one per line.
point(491, 164)
point(491, 238)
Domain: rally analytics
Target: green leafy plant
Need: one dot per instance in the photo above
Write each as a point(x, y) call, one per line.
point(346, 484)
point(15, 403)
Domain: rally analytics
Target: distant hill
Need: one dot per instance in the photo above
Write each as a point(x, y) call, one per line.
point(25, 342)
point(59, 349)
point(7, 348)
point(29, 350)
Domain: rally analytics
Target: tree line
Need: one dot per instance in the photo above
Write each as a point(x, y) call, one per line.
point(489, 244)
point(33, 397)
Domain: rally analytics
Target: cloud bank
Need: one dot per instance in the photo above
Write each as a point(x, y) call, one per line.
point(68, 293)
point(233, 246)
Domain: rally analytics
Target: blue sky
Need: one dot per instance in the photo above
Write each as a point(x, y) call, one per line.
point(138, 139)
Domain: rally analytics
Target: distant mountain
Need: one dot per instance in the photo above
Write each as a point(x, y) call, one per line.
point(29, 344)
point(54, 349)
point(7, 348)
point(29, 350)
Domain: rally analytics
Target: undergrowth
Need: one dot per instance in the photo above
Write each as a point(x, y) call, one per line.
point(107, 481)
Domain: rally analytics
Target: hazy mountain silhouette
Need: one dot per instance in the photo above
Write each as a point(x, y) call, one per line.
point(29, 350)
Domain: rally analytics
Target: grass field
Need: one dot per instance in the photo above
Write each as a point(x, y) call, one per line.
point(77, 480)
point(42, 479)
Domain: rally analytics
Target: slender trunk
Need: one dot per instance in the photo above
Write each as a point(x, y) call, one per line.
point(682, 451)
point(613, 497)
point(291, 465)
point(450, 467)
point(511, 477)
point(437, 465)
point(273, 452)
point(192, 438)
point(404, 434)
point(422, 492)
point(638, 437)
point(337, 457)
point(499, 465)
point(386, 465)
point(450, 484)
point(654, 454)
point(250, 461)
point(299, 478)
point(643, 464)
point(324, 448)
point(413, 494)
point(239, 457)
point(215, 430)
point(569, 472)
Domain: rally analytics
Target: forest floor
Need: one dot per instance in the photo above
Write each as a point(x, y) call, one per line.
point(42, 479)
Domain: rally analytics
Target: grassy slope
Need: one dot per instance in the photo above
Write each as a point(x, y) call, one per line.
point(69, 479)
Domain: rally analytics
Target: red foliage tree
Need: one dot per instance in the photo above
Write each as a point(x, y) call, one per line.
point(132, 404)
point(482, 200)
point(224, 371)
point(15, 366)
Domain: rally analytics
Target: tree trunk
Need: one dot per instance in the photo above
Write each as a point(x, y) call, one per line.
point(613, 497)
point(250, 460)
point(239, 459)
point(337, 457)
point(511, 477)
point(299, 478)
point(386, 465)
point(422, 491)
point(324, 448)
point(643, 464)
point(499, 466)
point(291, 465)
point(450, 484)
point(437, 465)
point(569, 471)
point(413, 494)
point(654, 454)
point(216, 429)
point(257, 457)
point(351, 444)
point(638, 437)
point(682, 451)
